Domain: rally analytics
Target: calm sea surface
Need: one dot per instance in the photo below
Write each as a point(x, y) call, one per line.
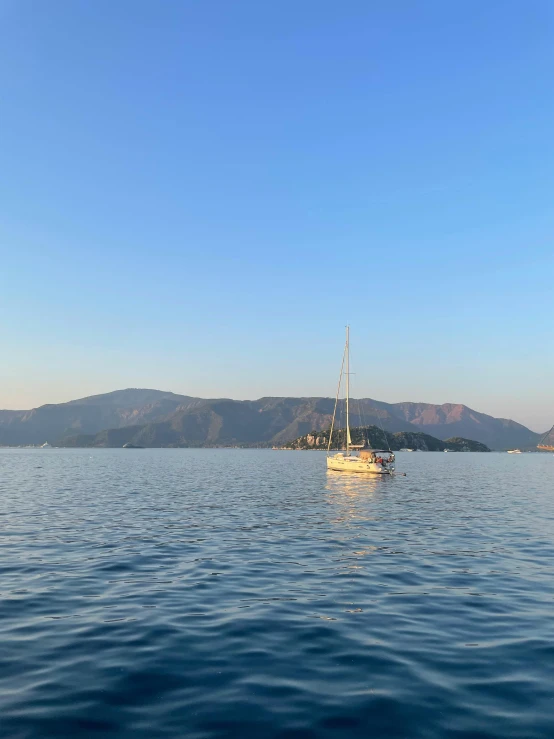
point(229, 593)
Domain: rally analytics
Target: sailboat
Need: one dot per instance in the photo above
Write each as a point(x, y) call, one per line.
point(547, 441)
point(368, 461)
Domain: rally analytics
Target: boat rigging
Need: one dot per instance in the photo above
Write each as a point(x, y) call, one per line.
point(368, 461)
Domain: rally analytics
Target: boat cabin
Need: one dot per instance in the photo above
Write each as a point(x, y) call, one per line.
point(372, 455)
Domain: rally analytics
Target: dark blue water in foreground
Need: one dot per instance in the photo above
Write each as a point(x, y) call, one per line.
point(228, 593)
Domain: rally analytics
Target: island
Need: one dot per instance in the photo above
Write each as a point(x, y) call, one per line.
point(379, 439)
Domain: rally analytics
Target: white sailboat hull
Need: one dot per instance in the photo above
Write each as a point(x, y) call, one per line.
point(340, 463)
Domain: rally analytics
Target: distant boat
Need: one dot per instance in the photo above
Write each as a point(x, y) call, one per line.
point(368, 461)
point(128, 445)
point(407, 450)
point(514, 451)
point(46, 445)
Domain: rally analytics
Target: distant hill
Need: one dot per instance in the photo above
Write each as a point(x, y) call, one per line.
point(459, 420)
point(89, 415)
point(157, 418)
point(378, 440)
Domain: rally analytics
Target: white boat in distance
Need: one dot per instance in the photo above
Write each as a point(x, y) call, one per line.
point(368, 461)
point(515, 451)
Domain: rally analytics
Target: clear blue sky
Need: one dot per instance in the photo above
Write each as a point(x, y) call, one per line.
point(197, 196)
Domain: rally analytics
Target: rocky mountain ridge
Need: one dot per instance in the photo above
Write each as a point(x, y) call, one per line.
point(158, 418)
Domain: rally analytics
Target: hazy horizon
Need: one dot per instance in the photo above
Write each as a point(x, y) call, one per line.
point(199, 196)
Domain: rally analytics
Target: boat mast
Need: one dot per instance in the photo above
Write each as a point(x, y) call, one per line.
point(347, 388)
point(336, 402)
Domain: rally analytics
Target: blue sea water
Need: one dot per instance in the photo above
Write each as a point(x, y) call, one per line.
point(228, 593)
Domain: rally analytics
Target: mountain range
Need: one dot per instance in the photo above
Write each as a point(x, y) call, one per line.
point(157, 418)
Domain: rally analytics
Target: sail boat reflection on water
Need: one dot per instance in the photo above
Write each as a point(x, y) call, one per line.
point(351, 493)
point(353, 485)
point(350, 497)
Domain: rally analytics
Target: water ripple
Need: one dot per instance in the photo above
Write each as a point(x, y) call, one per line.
point(214, 593)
